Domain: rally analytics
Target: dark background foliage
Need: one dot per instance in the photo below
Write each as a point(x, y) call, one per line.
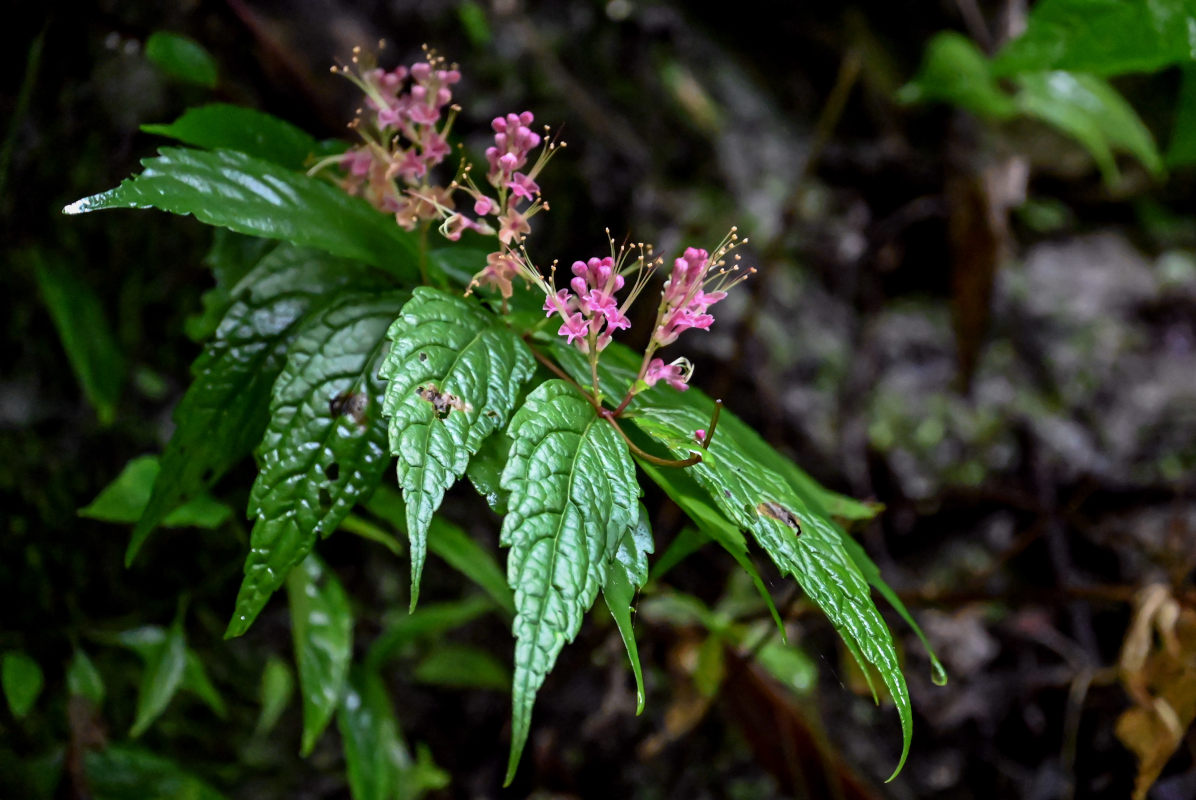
point(1022, 399)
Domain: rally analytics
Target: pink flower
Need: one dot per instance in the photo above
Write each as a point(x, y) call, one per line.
point(500, 269)
point(513, 141)
point(675, 374)
point(523, 187)
point(483, 205)
point(456, 225)
point(512, 226)
point(700, 435)
point(574, 327)
point(357, 161)
point(559, 303)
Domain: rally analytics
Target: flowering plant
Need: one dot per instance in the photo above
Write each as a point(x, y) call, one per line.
point(354, 342)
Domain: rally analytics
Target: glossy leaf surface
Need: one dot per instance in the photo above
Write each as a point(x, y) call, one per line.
point(1093, 113)
point(626, 575)
point(1102, 37)
point(572, 498)
point(800, 541)
point(224, 412)
point(453, 374)
point(223, 126)
point(325, 446)
point(322, 630)
point(255, 197)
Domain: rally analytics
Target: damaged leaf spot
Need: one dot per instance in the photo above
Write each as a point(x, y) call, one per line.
point(780, 514)
point(443, 403)
point(350, 404)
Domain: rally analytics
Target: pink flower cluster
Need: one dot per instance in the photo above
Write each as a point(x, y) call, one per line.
point(517, 200)
point(590, 313)
point(404, 138)
point(685, 301)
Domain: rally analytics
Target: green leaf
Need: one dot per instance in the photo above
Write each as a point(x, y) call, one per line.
point(453, 545)
point(124, 500)
point(120, 772)
point(196, 681)
point(83, 679)
point(573, 497)
point(181, 57)
point(278, 683)
point(429, 621)
point(165, 665)
point(463, 667)
point(219, 126)
point(955, 71)
point(322, 630)
point(325, 446)
point(692, 500)
point(800, 540)
point(485, 471)
point(791, 666)
point(872, 573)
point(626, 575)
point(377, 761)
point(230, 258)
point(1092, 112)
point(225, 410)
point(453, 371)
point(22, 680)
point(711, 666)
point(252, 196)
point(86, 336)
point(1104, 37)
point(1181, 151)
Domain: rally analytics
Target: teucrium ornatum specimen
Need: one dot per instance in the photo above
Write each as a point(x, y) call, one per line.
point(330, 359)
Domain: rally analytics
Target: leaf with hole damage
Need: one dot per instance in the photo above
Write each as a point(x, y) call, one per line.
point(225, 410)
point(798, 537)
point(325, 446)
point(572, 498)
point(453, 373)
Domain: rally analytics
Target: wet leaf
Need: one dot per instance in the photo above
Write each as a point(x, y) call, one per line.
point(255, 197)
point(225, 411)
point(325, 446)
point(322, 630)
point(1102, 37)
point(573, 497)
point(453, 372)
point(221, 126)
point(626, 575)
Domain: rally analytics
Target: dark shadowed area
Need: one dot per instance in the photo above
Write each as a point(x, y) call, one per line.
point(981, 317)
